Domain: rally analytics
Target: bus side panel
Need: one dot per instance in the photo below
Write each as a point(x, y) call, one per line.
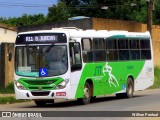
point(109, 77)
point(75, 78)
point(119, 73)
point(147, 73)
point(146, 77)
point(93, 72)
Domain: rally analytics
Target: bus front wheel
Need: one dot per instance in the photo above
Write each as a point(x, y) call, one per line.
point(87, 95)
point(40, 103)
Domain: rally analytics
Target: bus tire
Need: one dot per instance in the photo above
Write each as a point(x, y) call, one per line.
point(129, 90)
point(40, 103)
point(87, 95)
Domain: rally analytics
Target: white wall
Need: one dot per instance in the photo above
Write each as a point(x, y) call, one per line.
point(7, 35)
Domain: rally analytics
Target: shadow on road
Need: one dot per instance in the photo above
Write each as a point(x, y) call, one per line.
point(65, 104)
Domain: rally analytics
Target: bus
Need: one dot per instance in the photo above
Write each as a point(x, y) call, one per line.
point(74, 64)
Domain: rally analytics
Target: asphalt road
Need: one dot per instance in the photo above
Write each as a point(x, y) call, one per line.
point(147, 100)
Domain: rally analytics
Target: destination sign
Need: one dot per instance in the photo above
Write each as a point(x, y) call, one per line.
point(41, 38)
point(51, 38)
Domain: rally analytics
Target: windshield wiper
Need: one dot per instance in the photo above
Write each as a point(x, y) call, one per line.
point(49, 48)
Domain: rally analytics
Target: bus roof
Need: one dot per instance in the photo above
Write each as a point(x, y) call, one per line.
point(78, 33)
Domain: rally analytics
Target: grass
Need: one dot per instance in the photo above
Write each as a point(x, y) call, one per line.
point(8, 89)
point(9, 100)
point(156, 77)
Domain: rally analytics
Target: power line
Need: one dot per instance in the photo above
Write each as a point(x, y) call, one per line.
point(22, 4)
point(45, 2)
point(44, 6)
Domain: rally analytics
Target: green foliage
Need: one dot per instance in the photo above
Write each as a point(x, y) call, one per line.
point(8, 89)
point(156, 12)
point(130, 10)
point(8, 100)
point(156, 77)
point(27, 20)
point(24, 20)
point(57, 13)
point(4, 100)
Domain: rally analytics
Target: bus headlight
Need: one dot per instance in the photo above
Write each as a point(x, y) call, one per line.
point(19, 86)
point(62, 84)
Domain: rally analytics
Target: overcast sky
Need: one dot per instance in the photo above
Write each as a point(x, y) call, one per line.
point(16, 8)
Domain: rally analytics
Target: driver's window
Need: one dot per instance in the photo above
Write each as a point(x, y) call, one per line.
point(75, 56)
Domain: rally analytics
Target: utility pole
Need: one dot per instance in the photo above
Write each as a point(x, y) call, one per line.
point(149, 15)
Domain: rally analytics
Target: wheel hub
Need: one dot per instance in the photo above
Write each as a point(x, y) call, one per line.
point(86, 93)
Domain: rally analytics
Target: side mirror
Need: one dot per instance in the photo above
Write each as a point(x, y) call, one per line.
point(9, 56)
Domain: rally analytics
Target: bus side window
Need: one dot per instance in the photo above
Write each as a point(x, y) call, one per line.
point(145, 49)
point(134, 49)
point(123, 49)
point(111, 49)
point(87, 50)
point(75, 56)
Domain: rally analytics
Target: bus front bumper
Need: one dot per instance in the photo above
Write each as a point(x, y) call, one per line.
point(41, 94)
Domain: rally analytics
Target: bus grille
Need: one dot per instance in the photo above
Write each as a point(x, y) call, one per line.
point(39, 82)
point(40, 93)
point(36, 88)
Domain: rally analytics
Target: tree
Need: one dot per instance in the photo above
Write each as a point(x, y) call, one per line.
point(24, 20)
point(90, 8)
point(130, 10)
point(134, 10)
point(58, 12)
point(156, 12)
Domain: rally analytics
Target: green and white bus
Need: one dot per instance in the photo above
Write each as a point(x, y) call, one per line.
point(71, 63)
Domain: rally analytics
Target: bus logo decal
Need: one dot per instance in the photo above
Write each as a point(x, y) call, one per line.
point(112, 78)
point(40, 88)
point(123, 86)
point(98, 71)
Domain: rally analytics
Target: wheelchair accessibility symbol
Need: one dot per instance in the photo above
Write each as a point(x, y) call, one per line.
point(43, 72)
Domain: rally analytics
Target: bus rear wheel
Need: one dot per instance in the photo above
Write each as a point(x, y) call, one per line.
point(129, 90)
point(87, 95)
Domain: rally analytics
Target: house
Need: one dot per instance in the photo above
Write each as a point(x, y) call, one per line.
point(7, 39)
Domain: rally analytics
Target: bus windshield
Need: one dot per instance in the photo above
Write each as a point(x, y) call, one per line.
point(30, 60)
